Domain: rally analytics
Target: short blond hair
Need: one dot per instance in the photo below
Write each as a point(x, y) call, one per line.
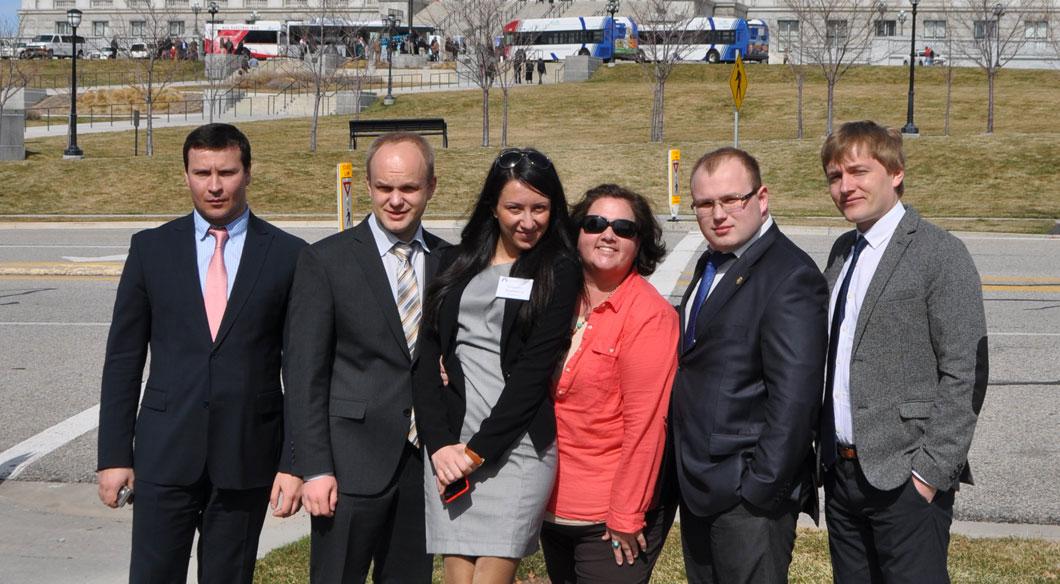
point(868, 137)
point(396, 138)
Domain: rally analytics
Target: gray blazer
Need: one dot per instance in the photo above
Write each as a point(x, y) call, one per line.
point(918, 370)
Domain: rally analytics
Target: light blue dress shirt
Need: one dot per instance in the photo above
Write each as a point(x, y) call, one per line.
point(233, 250)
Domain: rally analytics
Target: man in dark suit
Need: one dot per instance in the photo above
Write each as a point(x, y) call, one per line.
point(907, 369)
point(206, 294)
point(748, 386)
point(353, 325)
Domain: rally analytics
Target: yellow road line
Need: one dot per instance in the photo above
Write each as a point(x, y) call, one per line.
point(1021, 288)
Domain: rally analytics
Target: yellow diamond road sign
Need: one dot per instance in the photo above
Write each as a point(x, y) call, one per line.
point(738, 81)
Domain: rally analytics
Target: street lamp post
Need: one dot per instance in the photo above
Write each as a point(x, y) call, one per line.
point(195, 8)
point(902, 16)
point(391, 23)
point(73, 16)
point(998, 11)
point(612, 8)
point(910, 127)
point(212, 9)
point(211, 61)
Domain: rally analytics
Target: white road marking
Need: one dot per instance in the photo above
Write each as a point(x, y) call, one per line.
point(23, 323)
point(110, 258)
point(15, 459)
point(666, 275)
point(60, 246)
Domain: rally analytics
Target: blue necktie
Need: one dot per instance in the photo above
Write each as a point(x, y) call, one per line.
point(828, 408)
point(714, 260)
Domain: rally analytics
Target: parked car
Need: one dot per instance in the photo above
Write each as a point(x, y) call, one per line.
point(98, 54)
point(138, 51)
point(54, 45)
point(10, 49)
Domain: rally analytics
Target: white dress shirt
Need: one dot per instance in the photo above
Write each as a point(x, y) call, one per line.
point(722, 269)
point(385, 240)
point(877, 238)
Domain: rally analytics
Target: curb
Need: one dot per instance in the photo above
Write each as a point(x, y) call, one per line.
point(98, 269)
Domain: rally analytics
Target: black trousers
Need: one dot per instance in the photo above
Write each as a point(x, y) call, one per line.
point(742, 545)
point(888, 537)
point(387, 529)
point(165, 519)
point(575, 554)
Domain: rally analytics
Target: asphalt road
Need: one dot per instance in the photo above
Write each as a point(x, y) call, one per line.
point(53, 331)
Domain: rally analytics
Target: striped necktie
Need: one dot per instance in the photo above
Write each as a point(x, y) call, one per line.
point(410, 310)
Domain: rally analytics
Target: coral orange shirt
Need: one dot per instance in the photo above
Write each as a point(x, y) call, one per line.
point(611, 403)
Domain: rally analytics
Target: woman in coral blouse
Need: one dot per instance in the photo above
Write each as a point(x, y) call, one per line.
point(603, 521)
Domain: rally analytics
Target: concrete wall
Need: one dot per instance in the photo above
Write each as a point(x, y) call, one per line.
point(13, 129)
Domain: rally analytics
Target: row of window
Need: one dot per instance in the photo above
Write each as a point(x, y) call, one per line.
point(137, 28)
point(691, 37)
point(556, 37)
point(933, 29)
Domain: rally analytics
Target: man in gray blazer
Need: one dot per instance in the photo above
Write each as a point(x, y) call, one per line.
point(352, 328)
point(906, 372)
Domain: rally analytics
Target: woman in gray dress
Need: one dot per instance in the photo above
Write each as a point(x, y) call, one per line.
point(499, 318)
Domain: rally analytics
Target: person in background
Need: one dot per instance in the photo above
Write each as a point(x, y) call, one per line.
point(604, 523)
point(499, 319)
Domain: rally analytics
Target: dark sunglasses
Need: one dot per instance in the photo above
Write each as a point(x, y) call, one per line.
point(624, 228)
point(511, 158)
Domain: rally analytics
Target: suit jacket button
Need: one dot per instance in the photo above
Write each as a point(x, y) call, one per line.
point(407, 412)
point(205, 404)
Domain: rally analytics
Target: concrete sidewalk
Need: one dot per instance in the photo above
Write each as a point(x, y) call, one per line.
point(57, 533)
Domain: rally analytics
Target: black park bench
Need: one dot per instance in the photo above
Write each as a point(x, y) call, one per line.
point(422, 126)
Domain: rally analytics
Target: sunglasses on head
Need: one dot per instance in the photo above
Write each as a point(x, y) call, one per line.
point(623, 228)
point(512, 158)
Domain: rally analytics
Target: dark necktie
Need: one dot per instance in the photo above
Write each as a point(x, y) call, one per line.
point(828, 408)
point(714, 260)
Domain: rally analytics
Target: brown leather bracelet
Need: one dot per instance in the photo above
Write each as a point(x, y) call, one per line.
point(475, 458)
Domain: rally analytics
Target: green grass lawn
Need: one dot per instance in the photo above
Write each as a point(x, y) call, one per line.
point(598, 131)
point(55, 73)
point(972, 561)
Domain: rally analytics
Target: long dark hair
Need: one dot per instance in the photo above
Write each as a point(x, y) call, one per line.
point(478, 241)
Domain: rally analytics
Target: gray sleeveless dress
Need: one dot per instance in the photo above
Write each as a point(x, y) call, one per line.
point(501, 515)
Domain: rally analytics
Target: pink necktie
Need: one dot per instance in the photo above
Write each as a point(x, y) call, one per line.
point(216, 282)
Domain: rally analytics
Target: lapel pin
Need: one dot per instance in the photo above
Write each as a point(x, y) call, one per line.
point(739, 280)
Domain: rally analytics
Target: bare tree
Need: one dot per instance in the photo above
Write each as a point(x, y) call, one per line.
point(666, 32)
point(835, 34)
point(993, 34)
point(481, 22)
point(794, 58)
point(149, 23)
point(15, 73)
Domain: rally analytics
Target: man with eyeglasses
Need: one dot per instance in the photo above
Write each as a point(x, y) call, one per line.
point(906, 369)
point(748, 386)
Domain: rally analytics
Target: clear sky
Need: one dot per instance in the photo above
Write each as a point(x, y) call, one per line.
point(9, 9)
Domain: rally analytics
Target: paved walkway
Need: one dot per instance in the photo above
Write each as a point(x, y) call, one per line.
point(259, 110)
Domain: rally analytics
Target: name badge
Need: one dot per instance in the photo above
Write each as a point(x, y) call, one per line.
point(514, 288)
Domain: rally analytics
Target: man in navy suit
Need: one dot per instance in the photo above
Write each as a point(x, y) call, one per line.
point(207, 295)
point(748, 386)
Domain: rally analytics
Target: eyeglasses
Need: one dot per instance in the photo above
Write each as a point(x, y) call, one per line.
point(511, 158)
point(727, 204)
point(624, 228)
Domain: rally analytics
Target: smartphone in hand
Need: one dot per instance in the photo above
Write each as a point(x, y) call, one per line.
point(125, 495)
point(455, 490)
